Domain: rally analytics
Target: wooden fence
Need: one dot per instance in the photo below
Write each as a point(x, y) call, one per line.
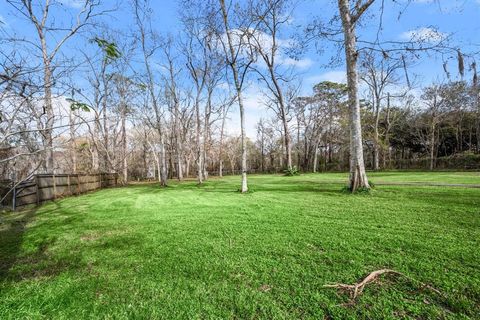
point(44, 187)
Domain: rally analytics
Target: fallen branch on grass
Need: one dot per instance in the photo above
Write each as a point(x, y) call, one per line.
point(356, 289)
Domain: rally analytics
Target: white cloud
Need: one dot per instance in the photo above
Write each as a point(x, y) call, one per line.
point(266, 42)
point(300, 63)
point(425, 34)
point(338, 76)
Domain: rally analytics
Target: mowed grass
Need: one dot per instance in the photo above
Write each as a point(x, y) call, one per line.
point(209, 252)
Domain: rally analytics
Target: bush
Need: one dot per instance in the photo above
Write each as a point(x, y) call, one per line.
point(292, 171)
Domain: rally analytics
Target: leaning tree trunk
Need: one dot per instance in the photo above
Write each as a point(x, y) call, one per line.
point(283, 116)
point(358, 177)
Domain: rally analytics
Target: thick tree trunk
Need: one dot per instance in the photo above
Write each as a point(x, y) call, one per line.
point(358, 177)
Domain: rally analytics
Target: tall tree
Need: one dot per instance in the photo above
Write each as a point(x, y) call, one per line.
point(379, 74)
point(142, 19)
point(350, 15)
point(270, 17)
point(235, 43)
point(51, 39)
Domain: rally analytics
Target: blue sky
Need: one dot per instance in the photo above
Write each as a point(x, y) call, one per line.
point(458, 18)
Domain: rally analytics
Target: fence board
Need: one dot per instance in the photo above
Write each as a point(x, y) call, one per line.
point(44, 187)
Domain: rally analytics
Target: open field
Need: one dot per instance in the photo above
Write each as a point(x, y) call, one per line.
point(210, 252)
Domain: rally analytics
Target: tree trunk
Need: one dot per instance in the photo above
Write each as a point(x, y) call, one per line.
point(283, 117)
point(199, 143)
point(376, 142)
point(238, 88)
point(220, 152)
point(163, 163)
point(178, 140)
point(73, 142)
point(432, 146)
point(315, 158)
point(124, 146)
point(48, 110)
point(358, 177)
point(106, 157)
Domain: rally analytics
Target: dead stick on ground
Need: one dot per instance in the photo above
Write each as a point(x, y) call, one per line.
point(357, 288)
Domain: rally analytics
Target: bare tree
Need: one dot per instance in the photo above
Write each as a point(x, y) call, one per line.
point(234, 49)
point(142, 20)
point(48, 33)
point(379, 74)
point(270, 17)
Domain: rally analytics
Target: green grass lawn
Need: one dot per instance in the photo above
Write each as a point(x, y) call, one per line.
point(208, 252)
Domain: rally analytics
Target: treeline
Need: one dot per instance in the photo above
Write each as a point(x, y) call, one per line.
point(77, 95)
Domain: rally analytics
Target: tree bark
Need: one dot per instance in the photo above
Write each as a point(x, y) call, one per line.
point(358, 177)
point(315, 158)
point(238, 88)
point(220, 152)
point(432, 145)
point(73, 142)
point(376, 138)
point(198, 142)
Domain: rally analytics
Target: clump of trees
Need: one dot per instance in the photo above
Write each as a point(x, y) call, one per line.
point(152, 105)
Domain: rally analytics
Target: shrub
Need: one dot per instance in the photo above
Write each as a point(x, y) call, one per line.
point(293, 171)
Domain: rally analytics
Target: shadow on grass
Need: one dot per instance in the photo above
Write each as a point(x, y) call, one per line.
point(11, 237)
point(16, 266)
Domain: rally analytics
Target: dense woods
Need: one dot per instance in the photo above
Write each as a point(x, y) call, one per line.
point(152, 105)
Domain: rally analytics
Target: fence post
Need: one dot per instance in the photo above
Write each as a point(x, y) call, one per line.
point(37, 180)
point(14, 198)
point(14, 191)
point(54, 187)
point(68, 184)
